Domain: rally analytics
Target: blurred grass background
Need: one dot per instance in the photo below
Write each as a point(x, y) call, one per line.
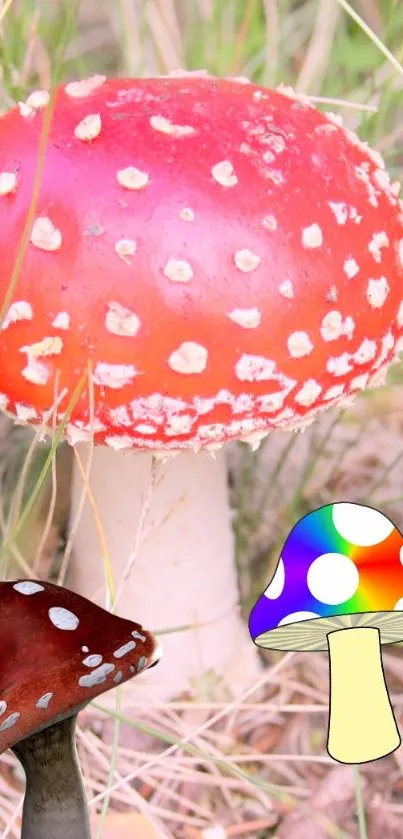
point(273, 777)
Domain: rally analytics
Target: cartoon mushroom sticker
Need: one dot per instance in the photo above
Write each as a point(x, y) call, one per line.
point(58, 652)
point(226, 260)
point(339, 586)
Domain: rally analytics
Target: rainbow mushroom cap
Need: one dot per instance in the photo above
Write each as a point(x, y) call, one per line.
point(338, 586)
point(58, 652)
point(210, 260)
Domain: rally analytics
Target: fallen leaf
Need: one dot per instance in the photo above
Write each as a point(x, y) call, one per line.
point(380, 822)
point(125, 826)
point(321, 816)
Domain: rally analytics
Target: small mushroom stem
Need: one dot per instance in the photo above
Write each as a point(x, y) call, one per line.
point(55, 805)
point(184, 572)
point(362, 726)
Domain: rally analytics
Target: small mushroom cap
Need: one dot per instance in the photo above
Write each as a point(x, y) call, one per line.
point(227, 257)
point(341, 566)
point(59, 651)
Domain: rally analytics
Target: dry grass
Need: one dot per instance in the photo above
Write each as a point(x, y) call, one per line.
point(257, 767)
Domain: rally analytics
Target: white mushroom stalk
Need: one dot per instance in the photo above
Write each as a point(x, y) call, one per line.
point(171, 548)
point(179, 250)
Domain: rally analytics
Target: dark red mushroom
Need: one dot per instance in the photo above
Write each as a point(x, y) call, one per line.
point(230, 261)
point(58, 651)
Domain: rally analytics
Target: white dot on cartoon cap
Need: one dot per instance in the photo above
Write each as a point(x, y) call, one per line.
point(333, 578)
point(399, 605)
point(361, 525)
point(275, 588)
point(294, 617)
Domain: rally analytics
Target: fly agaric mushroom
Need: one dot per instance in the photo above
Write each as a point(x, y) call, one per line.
point(59, 651)
point(229, 260)
point(339, 586)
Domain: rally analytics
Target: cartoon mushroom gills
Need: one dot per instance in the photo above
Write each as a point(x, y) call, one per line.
point(54, 803)
point(362, 726)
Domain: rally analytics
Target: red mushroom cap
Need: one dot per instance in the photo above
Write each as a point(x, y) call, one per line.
point(228, 258)
point(58, 651)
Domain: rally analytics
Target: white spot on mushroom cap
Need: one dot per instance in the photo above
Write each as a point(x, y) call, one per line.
point(92, 660)
point(286, 289)
point(166, 126)
point(3, 707)
point(254, 368)
point(377, 292)
point(366, 351)
point(84, 87)
point(178, 271)
point(309, 393)
point(51, 345)
point(378, 241)
point(132, 178)
point(297, 617)
point(125, 248)
point(136, 634)
point(276, 586)
point(45, 236)
point(333, 326)
point(124, 649)
point(10, 721)
point(351, 267)
point(224, 173)
point(38, 99)
point(88, 128)
point(28, 587)
point(339, 365)
point(43, 701)
point(36, 372)
point(181, 424)
point(114, 376)
point(118, 677)
point(25, 413)
point(299, 344)
point(121, 321)
point(145, 428)
point(340, 210)
point(361, 525)
point(62, 618)
point(8, 182)
point(97, 676)
point(189, 358)
point(186, 214)
point(24, 110)
point(246, 261)
point(142, 663)
point(270, 223)
point(247, 318)
point(312, 237)
point(19, 310)
point(61, 321)
point(333, 578)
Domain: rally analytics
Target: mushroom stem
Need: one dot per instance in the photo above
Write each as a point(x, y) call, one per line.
point(362, 726)
point(184, 572)
point(54, 803)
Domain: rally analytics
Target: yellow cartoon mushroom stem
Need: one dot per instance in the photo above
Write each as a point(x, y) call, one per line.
point(361, 722)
